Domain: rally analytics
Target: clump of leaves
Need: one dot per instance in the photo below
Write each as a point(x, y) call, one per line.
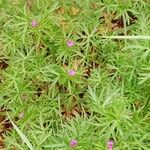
point(74, 74)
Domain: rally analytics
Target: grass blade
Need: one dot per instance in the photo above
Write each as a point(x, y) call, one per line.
point(23, 137)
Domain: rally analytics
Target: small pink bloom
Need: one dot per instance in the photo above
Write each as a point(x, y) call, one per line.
point(110, 144)
point(73, 143)
point(34, 23)
point(21, 115)
point(70, 43)
point(72, 72)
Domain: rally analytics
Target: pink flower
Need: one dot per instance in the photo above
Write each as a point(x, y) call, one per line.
point(73, 143)
point(34, 23)
point(70, 43)
point(72, 72)
point(110, 144)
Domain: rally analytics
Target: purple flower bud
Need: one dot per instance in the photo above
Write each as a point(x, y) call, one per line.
point(21, 115)
point(34, 23)
point(72, 72)
point(110, 144)
point(70, 43)
point(73, 143)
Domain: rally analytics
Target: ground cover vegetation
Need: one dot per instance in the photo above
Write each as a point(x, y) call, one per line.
point(63, 85)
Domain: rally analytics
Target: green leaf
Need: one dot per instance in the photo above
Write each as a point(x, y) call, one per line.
point(23, 136)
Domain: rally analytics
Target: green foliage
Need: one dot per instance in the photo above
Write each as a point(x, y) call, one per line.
point(107, 98)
